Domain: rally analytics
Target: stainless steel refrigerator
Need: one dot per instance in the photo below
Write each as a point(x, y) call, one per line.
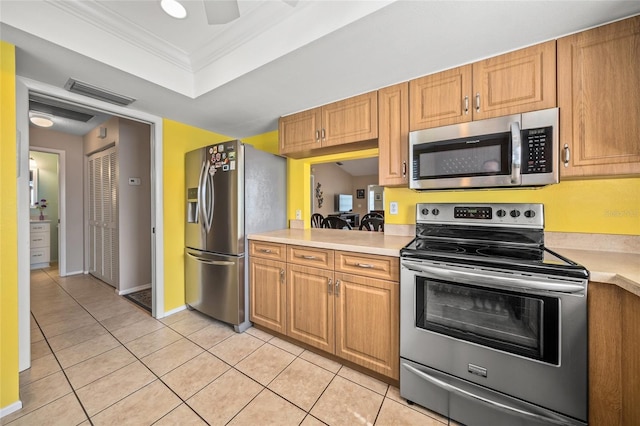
point(233, 190)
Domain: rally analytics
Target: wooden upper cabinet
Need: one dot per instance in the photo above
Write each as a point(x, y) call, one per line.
point(342, 123)
point(599, 100)
point(351, 120)
point(441, 99)
point(393, 135)
point(300, 132)
point(516, 82)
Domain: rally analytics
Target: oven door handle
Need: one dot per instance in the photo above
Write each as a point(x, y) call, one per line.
point(497, 280)
point(498, 405)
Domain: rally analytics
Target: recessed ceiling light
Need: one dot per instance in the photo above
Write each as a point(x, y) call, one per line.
point(40, 120)
point(174, 9)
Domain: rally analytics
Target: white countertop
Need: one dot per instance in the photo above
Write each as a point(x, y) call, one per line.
point(621, 269)
point(618, 268)
point(338, 239)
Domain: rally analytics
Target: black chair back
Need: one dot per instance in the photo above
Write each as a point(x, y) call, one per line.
point(372, 224)
point(335, 222)
point(368, 215)
point(316, 220)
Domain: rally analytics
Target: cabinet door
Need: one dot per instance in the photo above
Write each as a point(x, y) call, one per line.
point(267, 286)
point(520, 81)
point(441, 99)
point(310, 306)
point(367, 323)
point(599, 100)
point(300, 132)
point(351, 120)
point(393, 135)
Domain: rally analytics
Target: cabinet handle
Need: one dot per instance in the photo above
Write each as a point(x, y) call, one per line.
point(567, 155)
point(466, 105)
point(308, 257)
point(404, 169)
point(337, 292)
point(317, 135)
point(365, 265)
point(477, 102)
point(329, 286)
point(322, 133)
point(282, 275)
point(266, 250)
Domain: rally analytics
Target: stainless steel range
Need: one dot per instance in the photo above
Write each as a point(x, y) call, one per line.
point(493, 326)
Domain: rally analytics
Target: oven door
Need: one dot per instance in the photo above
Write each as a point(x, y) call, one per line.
point(522, 335)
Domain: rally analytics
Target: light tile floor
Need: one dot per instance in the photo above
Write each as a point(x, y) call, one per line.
point(99, 359)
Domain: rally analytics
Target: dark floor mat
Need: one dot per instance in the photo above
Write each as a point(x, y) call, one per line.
point(141, 298)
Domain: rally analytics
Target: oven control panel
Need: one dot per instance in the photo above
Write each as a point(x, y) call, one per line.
point(493, 214)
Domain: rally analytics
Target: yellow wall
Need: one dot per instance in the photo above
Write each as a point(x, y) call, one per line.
point(8, 230)
point(265, 142)
point(178, 139)
point(601, 206)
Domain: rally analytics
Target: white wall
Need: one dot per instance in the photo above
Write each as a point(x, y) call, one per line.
point(74, 177)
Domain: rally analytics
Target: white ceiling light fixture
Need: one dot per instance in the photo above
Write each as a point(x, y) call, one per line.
point(174, 9)
point(40, 120)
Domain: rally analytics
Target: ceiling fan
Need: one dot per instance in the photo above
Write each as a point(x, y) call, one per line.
point(217, 11)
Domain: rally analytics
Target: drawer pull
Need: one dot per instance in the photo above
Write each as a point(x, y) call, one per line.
point(266, 250)
point(308, 257)
point(365, 265)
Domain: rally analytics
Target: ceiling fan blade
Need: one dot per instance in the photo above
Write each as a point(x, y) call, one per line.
point(221, 11)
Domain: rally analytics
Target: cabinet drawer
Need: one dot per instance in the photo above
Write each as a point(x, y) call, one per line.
point(40, 239)
point(265, 250)
point(39, 255)
point(309, 256)
point(39, 227)
point(371, 265)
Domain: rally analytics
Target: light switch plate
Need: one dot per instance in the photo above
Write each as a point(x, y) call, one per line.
point(134, 181)
point(393, 207)
point(298, 214)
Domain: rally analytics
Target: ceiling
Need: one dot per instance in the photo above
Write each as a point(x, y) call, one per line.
point(236, 79)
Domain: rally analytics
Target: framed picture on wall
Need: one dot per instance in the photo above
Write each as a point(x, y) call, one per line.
point(359, 193)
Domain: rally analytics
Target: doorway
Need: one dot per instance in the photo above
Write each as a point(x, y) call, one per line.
point(24, 88)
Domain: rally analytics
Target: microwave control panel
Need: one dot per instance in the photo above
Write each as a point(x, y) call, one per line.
point(537, 150)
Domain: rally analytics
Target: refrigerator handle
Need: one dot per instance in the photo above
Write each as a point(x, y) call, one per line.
point(211, 200)
point(212, 262)
point(200, 194)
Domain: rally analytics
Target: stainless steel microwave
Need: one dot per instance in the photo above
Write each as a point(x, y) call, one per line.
point(510, 151)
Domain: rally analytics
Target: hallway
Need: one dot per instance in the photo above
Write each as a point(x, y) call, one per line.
point(99, 359)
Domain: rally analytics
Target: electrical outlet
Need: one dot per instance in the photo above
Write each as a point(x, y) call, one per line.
point(393, 207)
point(298, 214)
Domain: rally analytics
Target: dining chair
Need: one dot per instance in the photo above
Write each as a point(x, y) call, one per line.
point(316, 220)
point(335, 222)
point(372, 224)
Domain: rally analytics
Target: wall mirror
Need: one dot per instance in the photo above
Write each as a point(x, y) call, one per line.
point(33, 185)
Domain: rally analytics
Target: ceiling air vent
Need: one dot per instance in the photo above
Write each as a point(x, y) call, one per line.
point(85, 89)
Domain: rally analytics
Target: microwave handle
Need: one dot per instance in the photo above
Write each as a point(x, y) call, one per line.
point(516, 153)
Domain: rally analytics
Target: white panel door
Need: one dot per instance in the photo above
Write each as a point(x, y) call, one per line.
point(103, 216)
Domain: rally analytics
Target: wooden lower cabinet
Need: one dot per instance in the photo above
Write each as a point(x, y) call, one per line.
point(267, 286)
point(614, 363)
point(351, 311)
point(310, 306)
point(367, 322)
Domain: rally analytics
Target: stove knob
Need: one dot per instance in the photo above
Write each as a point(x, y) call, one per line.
point(501, 213)
point(425, 212)
point(529, 214)
point(514, 213)
point(436, 212)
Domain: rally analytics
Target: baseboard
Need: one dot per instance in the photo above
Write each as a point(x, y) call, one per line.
point(134, 289)
point(11, 408)
point(75, 273)
point(175, 311)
